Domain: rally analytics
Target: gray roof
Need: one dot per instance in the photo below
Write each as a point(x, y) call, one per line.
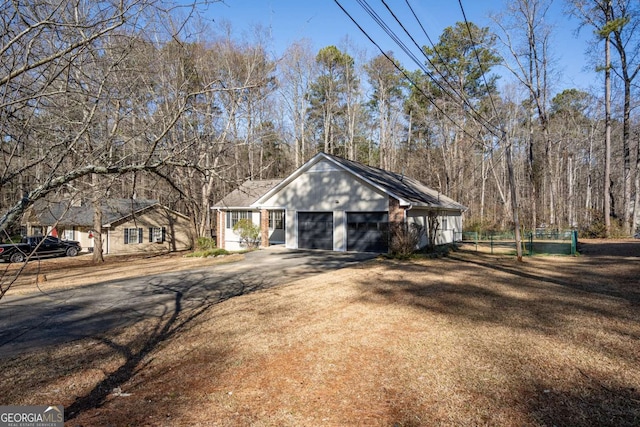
point(247, 193)
point(400, 186)
point(64, 214)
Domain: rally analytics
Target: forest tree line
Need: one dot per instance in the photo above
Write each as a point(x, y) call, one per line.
point(110, 99)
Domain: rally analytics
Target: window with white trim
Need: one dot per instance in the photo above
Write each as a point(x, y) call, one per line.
point(132, 236)
point(157, 234)
point(68, 234)
point(234, 216)
point(444, 224)
point(276, 220)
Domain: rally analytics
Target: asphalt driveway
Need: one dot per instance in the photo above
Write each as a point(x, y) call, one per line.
point(30, 322)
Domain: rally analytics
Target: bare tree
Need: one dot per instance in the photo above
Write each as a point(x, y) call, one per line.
point(385, 79)
point(625, 38)
point(65, 112)
point(527, 37)
point(615, 22)
point(297, 71)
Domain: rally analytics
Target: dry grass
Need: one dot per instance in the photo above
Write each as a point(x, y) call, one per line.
point(469, 340)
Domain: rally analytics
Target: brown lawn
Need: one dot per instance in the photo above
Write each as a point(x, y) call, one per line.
point(469, 340)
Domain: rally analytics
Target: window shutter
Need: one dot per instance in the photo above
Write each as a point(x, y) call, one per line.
point(126, 236)
point(228, 219)
point(150, 234)
point(164, 234)
point(139, 235)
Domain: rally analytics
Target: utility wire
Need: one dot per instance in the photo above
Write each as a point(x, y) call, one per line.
point(401, 44)
point(404, 73)
point(475, 51)
point(484, 122)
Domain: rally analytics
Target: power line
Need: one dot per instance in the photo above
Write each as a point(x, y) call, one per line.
point(473, 45)
point(401, 44)
point(402, 71)
point(484, 122)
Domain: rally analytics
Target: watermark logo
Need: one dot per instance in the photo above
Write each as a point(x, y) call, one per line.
point(32, 416)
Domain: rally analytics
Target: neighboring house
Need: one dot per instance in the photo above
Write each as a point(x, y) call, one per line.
point(128, 225)
point(336, 204)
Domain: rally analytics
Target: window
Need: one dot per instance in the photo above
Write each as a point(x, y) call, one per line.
point(276, 220)
point(444, 224)
point(234, 216)
point(132, 236)
point(68, 234)
point(157, 234)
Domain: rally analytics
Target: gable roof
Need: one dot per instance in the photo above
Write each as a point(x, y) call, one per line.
point(408, 191)
point(247, 194)
point(403, 188)
point(113, 210)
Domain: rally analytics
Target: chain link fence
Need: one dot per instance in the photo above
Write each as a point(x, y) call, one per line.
point(538, 242)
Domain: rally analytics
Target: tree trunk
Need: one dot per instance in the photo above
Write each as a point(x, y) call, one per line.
point(626, 153)
point(97, 232)
point(587, 202)
point(636, 203)
point(607, 140)
point(514, 200)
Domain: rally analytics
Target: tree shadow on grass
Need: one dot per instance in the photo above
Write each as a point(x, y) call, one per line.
point(575, 278)
point(169, 323)
point(586, 405)
point(133, 359)
point(580, 315)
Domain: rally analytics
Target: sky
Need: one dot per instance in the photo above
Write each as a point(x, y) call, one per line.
point(324, 24)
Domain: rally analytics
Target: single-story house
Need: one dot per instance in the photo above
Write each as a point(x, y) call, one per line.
point(128, 225)
point(336, 204)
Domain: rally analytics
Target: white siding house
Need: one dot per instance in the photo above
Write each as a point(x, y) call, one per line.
point(335, 204)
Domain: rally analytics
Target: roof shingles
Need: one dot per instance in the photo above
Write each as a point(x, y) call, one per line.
point(247, 193)
point(406, 188)
point(62, 213)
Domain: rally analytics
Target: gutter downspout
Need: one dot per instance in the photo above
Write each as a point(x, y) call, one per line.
point(218, 223)
point(406, 210)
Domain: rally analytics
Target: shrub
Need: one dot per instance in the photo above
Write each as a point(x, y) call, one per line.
point(597, 229)
point(205, 243)
point(249, 233)
point(213, 252)
point(404, 239)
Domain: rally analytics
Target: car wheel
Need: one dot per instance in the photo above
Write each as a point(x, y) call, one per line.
point(72, 251)
point(17, 257)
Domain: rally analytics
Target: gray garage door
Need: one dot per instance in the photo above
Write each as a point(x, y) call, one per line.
point(368, 232)
point(315, 230)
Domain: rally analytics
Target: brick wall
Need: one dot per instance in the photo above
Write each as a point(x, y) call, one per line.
point(396, 213)
point(397, 230)
point(264, 228)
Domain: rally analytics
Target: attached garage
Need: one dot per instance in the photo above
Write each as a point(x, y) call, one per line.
point(315, 230)
point(337, 204)
point(368, 231)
